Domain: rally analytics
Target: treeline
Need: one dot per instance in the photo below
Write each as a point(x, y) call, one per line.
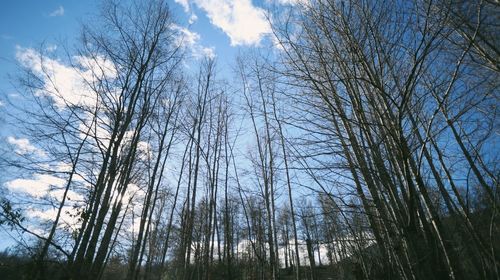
point(363, 147)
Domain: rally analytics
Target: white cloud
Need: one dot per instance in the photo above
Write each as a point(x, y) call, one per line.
point(193, 18)
point(67, 85)
point(51, 48)
point(38, 186)
point(184, 4)
point(190, 39)
point(57, 12)
point(208, 52)
point(292, 2)
point(186, 37)
point(68, 217)
point(244, 23)
point(41, 185)
point(23, 146)
point(96, 66)
point(98, 131)
point(133, 192)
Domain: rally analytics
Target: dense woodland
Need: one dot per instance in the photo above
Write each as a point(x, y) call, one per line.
point(363, 144)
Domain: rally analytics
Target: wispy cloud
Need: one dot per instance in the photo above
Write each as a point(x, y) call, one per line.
point(5, 36)
point(292, 2)
point(185, 36)
point(57, 12)
point(23, 146)
point(187, 8)
point(184, 4)
point(190, 40)
point(51, 48)
point(193, 18)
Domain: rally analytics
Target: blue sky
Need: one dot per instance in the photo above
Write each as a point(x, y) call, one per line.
point(29, 23)
point(223, 27)
point(220, 28)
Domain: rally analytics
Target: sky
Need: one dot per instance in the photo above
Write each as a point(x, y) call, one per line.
point(218, 28)
point(214, 28)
